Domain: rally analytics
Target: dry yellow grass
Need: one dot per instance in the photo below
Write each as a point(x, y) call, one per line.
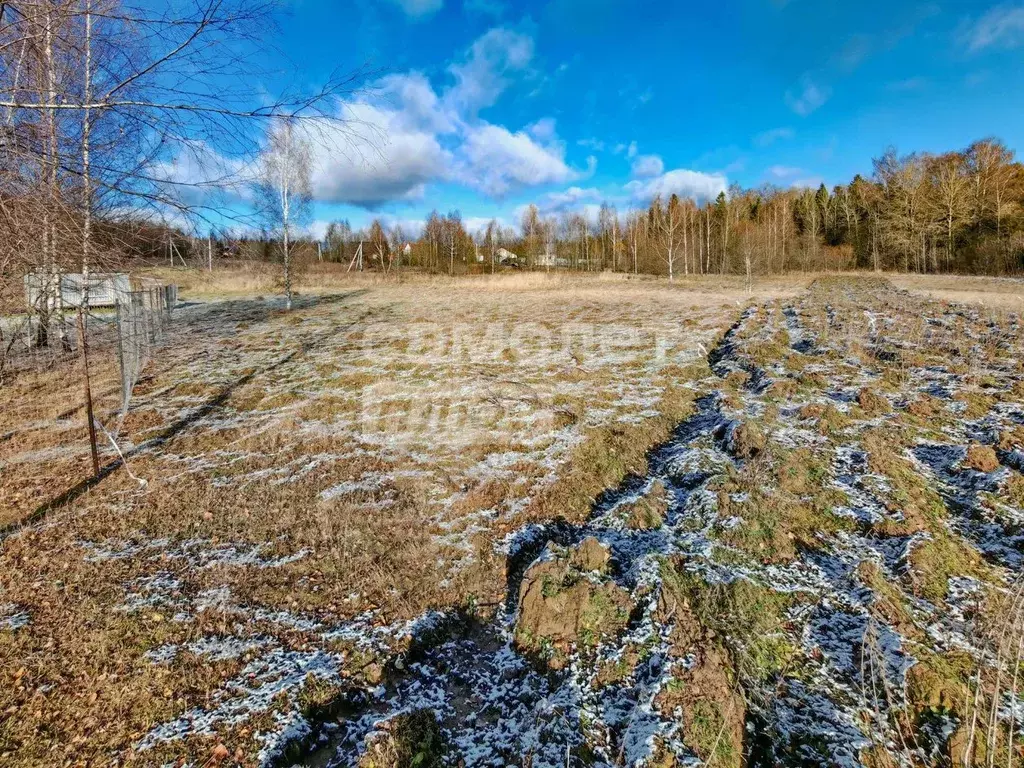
point(995, 292)
point(295, 488)
point(255, 278)
point(301, 507)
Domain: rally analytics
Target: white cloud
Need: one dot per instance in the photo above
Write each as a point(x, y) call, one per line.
point(1002, 26)
point(415, 103)
point(808, 97)
point(419, 8)
point(784, 171)
point(411, 228)
point(630, 150)
point(543, 129)
point(486, 70)
point(555, 202)
point(200, 165)
point(685, 183)
point(429, 137)
point(495, 160)
point(318, 228)
point(812, 182)
point(767, 138)
point(198, 175)
point(476, 225)
point(367, 174)
point(647, 166)
point(591, 212)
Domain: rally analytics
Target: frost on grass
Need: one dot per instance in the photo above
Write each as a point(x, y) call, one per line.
point(11, 618)
point(278, 673)
point(848, 659)
point(197, 553)
point(486, 391)
point(804, 612)
point(851, 659)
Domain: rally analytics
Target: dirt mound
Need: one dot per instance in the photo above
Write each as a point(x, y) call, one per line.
point(1011, 439)
point(746, 440)
point(827, 419)
point(409, 739)
point(648, 512)
point(713, 710)
point(783, 388)
point(590, 555)
point(926, 407)
point(981, 458)
point(872, 403)
point(563, 605)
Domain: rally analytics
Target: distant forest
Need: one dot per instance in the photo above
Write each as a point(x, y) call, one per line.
point(958, 212)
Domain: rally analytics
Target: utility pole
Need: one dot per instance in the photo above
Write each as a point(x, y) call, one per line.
point(357, 258)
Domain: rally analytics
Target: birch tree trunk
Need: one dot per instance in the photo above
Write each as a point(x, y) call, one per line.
point(54, 163)
point(83, 298)
point(285, 216)
point(686, 255)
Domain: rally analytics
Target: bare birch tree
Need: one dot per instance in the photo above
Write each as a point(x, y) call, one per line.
point(398, 244)
point(285, 188)
point(950, 200)
point(491, 235)
point(669, 227)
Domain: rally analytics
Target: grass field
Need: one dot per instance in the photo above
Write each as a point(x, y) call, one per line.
point(523, 521)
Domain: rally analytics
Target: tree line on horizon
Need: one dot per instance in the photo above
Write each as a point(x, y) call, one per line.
point(956, 212)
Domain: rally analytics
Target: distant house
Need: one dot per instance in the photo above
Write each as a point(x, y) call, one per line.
point(549, 259)
point(502, 256)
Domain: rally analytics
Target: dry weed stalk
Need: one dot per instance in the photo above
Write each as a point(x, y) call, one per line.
point(1000, 642)
point(882, 697)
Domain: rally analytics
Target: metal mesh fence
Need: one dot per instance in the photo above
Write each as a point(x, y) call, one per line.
point(142, 320)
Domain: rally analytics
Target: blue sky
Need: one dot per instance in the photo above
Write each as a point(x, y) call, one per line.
point(487, 105)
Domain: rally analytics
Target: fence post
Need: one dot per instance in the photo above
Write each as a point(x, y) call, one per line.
point(119, 322)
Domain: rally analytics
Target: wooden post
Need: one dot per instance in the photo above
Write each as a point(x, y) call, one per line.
point(357, 257)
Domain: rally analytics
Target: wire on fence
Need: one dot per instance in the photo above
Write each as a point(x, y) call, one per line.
point(142, 319)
